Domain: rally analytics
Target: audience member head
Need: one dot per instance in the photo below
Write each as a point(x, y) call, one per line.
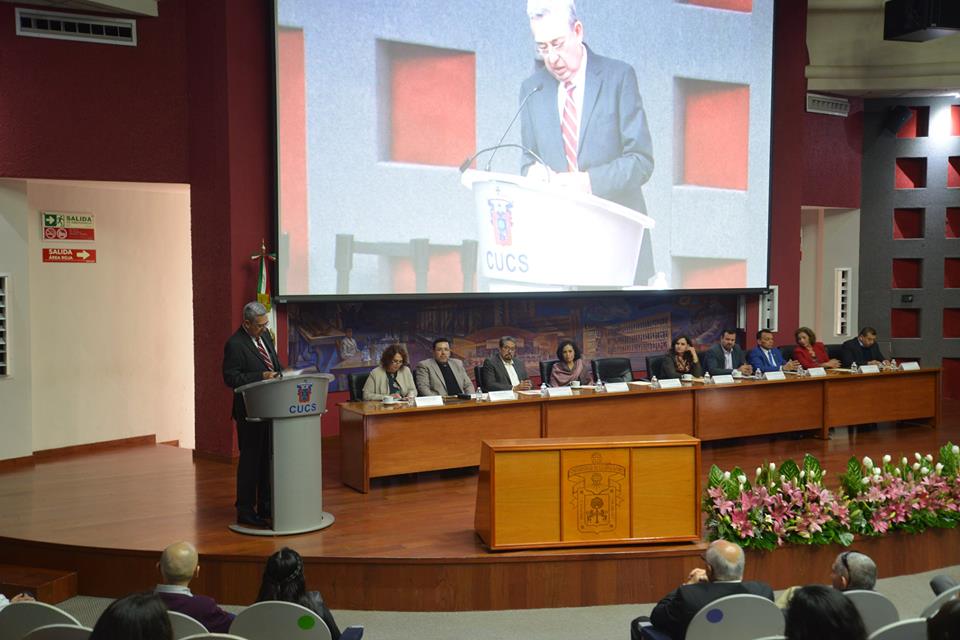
point(394, 357)
point(680, 346)
point(945, 624)
point(508, 348)
point(568, 351)
point(283, 577)
point(725, 561)
point(765, 338)
point(805, 337)
point(178, 564)
point(854, 570)
point(728, 338)
point(441, 350)
point(868, 335)
point(140, 616)
point(817, 612)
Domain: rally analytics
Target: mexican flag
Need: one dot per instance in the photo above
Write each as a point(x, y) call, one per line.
point(263, 284)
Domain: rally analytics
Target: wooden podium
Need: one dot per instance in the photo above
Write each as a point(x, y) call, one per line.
point(571, 492)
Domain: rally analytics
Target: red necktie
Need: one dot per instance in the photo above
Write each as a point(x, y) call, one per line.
point(264, 355)
point(569, 128)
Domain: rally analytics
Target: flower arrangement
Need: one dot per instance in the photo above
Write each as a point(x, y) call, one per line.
point(790, 503)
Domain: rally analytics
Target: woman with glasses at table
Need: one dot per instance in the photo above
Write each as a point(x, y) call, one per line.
point(810, 353)
point(392, 378)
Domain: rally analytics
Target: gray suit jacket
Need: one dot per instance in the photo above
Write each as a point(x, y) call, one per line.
point(615, 146)
point(430, 380)
point(495, 377)
point(713, 360)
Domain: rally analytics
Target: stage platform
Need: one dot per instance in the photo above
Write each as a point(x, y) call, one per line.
point(409, 544)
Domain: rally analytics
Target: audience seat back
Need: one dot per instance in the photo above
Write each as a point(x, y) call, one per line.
point(20, 618)
point(736, 617)
point(787, 352)
point(910, 629)
point(272, 619)
point(212, 636)
point(937, 602)
point(834, 351)
point(874, 607)
point(612, 369)
point(478, 376)
point(655, 366)
point(59, 632)
point(355, 382)
point(183, 625)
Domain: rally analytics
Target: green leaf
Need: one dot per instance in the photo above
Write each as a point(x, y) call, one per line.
point(715, 477)
point(846, 538)
point(790, 470)
point(812, 466)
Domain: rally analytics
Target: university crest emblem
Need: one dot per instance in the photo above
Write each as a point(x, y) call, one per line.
point(304, 391)
point(597, 489)
point(501, 217)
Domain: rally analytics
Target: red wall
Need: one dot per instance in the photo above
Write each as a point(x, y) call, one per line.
point(832, 156)
point(84, 111)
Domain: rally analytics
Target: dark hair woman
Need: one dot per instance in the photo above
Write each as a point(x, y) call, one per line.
point(392, 378)
point(681, 359)
point(817, 612)
point(283, 580)
point(571, 367)
point(139, 616)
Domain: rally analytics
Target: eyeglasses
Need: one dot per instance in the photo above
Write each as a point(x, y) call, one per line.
point(544, 49)
point(260, 325)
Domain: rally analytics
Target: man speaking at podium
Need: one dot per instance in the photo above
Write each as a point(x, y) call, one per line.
point(249, 356)
point(585, 118)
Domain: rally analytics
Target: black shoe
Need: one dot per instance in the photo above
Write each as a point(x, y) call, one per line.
point(251, 519)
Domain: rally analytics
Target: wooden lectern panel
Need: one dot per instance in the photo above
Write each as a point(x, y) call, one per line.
point(596, 494)
point(661, 482)
point(528, 497)
point(572, 492)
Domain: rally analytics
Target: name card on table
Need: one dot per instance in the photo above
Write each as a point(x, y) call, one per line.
point(910, 366)
point(870, 368)
point(616, 387)
point(498, 396)
point(670, 383)
point(428, 401)
point(816, 372)
point(556, 392)
point(723, 379)
point(774, 375)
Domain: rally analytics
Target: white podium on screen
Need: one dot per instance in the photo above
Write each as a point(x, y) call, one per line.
point(294, 404)
point(534, 233)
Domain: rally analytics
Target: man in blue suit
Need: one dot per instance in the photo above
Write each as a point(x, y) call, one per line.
point(766, 357)
point(585, 118)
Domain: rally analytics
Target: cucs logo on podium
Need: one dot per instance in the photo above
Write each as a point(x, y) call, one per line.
point(304, 393)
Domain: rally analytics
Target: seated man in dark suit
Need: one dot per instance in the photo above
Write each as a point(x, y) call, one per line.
point(725, 356)
point(722, 577)
point(863, 349)
point(767, 357)
point(502, 371)
point(178, 566)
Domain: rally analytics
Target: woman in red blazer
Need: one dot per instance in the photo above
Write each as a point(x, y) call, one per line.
point(810, 353)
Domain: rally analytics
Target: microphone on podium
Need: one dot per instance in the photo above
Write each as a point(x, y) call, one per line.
point(466, 163)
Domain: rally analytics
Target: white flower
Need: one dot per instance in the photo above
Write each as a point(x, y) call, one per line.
point(726, 475)
point(929, 457)
point(924, 470)
point(903, 460)
point(956, 449)
point(865, 480)
point(867, 462)
point(824, 474)
point(876, 471)
point(916, 466)
point(896, 472)
point(938, 468)
point(741, 479)
point(783, 478)
point(886, 459)
point(917, 456)
point(773, 467)
point(803, 473)
point(759, 471)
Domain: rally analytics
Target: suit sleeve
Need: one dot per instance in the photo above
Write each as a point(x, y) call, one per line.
point(489, 375)
point(465, 385)
point(215, 619)
point(667, 616)
point(847, 355)
point(714, 364)
point(233, 374)
point(422, 376)
point(370, 389)
point(633, 167)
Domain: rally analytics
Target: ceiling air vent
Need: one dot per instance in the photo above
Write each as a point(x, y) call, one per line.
point(830, 105)
point(67, 26)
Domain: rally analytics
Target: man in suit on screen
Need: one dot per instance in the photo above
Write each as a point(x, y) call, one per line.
point(585, 118)
point(249, 356)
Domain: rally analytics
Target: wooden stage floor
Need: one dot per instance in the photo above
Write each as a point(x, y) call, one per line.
point(409, 544)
